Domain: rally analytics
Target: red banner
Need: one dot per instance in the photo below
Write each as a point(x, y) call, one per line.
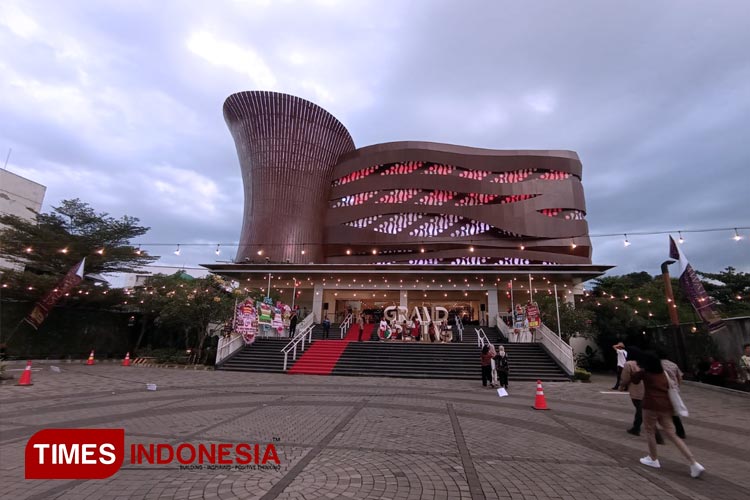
point(532, 314)
point(42, 308)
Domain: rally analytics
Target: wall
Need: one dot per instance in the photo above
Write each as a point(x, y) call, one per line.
point(730, 339)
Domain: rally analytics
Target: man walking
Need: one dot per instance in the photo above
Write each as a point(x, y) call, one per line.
point(293, 324)
point(326, 327)
point(622, 355)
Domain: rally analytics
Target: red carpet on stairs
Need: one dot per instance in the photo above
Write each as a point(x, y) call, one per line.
point(321, 357)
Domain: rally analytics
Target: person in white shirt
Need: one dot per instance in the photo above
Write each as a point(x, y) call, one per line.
point(622, 356)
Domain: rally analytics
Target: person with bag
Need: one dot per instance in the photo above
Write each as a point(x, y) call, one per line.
point(501, 365)
point(493, 370)
point(660, 402)
point(675, 374)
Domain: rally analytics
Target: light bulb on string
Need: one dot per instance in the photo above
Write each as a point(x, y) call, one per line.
point(177, 252)
point(737, 236)
point(138, 250)
point(100, 251)
point(681, 240)
point(573, 244)
point(218, 249)
point(626, 242)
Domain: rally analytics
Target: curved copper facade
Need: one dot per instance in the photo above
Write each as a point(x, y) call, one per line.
point(287, 149)
point(428, 203)
point(306, 188)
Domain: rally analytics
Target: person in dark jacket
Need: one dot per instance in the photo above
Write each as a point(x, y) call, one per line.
point(501, 365)
point(293, 324)
point(486, 366)
point(657, 408)
point(326, 327)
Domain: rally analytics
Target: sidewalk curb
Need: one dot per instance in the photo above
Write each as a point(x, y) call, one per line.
point(716, 388)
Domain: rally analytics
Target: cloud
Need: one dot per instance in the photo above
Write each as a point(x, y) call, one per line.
point(232, 56)
point(120, 103)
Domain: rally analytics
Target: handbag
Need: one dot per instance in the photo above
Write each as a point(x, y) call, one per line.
point(678, 406)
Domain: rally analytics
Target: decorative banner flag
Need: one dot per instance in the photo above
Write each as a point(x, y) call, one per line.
point(532, 314)
point(693, 288)
point(246, 321)
point(45, 305)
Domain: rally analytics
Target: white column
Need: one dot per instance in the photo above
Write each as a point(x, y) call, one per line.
point(317, 305)
point(404, 299)
point(492, 307)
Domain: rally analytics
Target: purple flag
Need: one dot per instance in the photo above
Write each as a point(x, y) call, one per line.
point(45, 305)
point(693, 289)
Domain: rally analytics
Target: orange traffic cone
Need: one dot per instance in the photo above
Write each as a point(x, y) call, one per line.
point(126, 361)
point(540, 403)
point(26, 376)
point(91, 358)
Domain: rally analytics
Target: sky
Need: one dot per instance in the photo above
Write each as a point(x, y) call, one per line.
point(119, 103)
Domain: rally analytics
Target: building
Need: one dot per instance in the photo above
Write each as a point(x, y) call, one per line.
point(20, 197)
point(403, 223)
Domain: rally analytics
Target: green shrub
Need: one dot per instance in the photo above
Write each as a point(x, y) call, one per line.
point(582, 375)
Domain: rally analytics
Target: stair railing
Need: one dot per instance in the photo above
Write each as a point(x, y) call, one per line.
point(482, 339)
point(346, 324)
point(557, 348)
point(305, 335)
point(228, 345)
point(459, 329)
point(308, 321)
point(503, 327)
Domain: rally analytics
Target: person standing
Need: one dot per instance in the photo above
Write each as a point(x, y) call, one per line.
point(501, 365)
point(486, 361)
point(326, 327)
point(745, 364)
point(622, 355)
point(675, 375)
point(657, 408)
point(361, 326)
point(293, 324)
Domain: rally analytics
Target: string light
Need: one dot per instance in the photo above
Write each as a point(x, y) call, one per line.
point(681, 240)
point(471, 249)
point(29, 249)
point(218, 249)
point(177, 252)
point(64, 250)
point(626, 242)
point(138, 250)
point(348, 252)
point(573, 244)
point(100, 251)
point(522, 247)
point(737, 236)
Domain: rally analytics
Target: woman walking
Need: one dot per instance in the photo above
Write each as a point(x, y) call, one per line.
point(486, 366)
point(657, 407)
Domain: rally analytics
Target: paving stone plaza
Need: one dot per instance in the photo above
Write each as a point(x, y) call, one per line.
point(341, 437)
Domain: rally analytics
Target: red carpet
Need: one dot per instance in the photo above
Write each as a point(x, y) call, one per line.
point(321, 357)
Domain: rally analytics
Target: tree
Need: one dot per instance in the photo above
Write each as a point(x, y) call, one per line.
point(573, 320)
point(730, 290)
point(184, 309)
point(56, 241)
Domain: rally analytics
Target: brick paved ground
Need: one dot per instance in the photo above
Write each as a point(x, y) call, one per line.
point(363, 438)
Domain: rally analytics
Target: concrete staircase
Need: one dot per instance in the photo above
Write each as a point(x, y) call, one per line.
point(395, 359)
